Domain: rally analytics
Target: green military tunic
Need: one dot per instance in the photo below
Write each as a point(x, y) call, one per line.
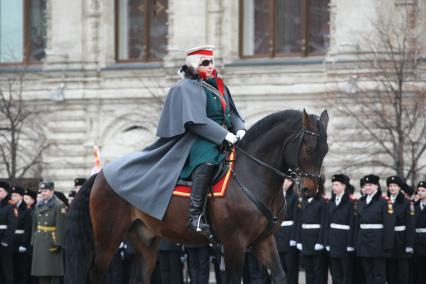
point(48, 238)
point(204, 151)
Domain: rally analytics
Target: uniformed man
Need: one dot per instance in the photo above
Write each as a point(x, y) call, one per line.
point(340, 229)
point(310, 237)
point(287, 234)
point(8, 223)
point(78, 182)
point(198, 263)
point(22, 236)
point(375, 238)
point(398, 264)
point(48, 236)
point(420, 239)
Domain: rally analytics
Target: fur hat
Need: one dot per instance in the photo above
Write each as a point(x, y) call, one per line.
point(31, 193)
point(373, 179)
point(18, 190)
point(5, 185)
point(193, 55)
point(421, 184)
point(396, 180)
point(340, 178)
point(79, 181)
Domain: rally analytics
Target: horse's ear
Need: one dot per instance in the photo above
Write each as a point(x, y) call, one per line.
point(324, 119)
point(307, 122)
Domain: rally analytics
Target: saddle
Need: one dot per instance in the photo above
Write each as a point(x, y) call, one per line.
point(220, 179)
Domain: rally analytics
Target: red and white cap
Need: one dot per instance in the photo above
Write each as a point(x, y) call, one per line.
point(193, 55)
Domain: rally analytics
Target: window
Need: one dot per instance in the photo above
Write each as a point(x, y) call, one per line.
point(271, 28)
point(22, 31)
point(141, 30)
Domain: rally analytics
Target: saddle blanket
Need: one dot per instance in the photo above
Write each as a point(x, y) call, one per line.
point(219, 188)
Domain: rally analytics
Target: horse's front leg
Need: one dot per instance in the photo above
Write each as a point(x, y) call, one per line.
point(267, 253)
point(234, 252)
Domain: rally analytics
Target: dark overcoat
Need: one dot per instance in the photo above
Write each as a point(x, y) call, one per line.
point(146, 179)
point(288, 230)
point(8, 223)
point(420, 238)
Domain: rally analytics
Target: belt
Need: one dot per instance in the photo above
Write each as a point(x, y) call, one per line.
point(420, 230)
point(311, 226)
point(3, 227)
point(371, 226)
point(339, 226)
point(19, 232)
point(400, 228)
point(46, 228)
point(287, 223)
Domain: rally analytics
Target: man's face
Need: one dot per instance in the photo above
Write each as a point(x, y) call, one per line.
point(46, 194)
point(370, 188)
point(421, 193)
point(206, 69)
point(16, 198)
point(3, 193)
point(338, 187)
point(394, 189)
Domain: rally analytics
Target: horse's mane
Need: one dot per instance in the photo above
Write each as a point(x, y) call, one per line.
point(287, 117)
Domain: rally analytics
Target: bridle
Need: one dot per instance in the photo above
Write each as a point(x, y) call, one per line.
point(295, 174)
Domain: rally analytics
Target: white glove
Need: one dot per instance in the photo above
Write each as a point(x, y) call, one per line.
point(231, 138)
point(350, 249)
point(240, 134)
point(3, 244)
point(409, 250)
point(22, 249)
point(292, 243)
point(327, 248)
point(318, 247)
point(299, 246)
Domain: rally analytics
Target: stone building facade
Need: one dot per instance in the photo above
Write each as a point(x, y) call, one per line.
point(107, 64)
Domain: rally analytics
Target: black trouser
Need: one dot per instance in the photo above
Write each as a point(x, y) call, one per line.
point(358, 275)
point(20, 266)
point(290, 264)
point(342, 269)
point(375, 270)
point(171, 267)
point(50, 279)
point(315, 269)
point(421, 269)
point(199, 264)
point(254, 272)
point(398, 270)
point(6, 268)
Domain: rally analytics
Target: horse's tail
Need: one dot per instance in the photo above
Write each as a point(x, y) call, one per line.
point(79, 241)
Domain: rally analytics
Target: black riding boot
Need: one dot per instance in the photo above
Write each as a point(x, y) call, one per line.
point(201, 181)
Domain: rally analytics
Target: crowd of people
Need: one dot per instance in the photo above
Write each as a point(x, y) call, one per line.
point(377, 238)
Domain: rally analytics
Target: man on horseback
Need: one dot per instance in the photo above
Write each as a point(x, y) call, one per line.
point(204, 154)
point(199, 115)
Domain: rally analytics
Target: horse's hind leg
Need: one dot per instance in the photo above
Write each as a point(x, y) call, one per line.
point(267, 253)
point(234, 253)
point(146, 245)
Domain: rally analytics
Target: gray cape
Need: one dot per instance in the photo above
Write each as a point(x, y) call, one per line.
point(146, 179)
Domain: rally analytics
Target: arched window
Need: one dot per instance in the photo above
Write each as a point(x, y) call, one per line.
point(141, 30)
point(272, 28)
point(22, 31)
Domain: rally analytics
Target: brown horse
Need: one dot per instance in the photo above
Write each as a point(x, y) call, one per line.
point(282, 144)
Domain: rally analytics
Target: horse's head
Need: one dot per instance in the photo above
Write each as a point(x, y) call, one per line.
point(311, 145)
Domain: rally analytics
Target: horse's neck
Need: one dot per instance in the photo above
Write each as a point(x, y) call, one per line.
point(260, 180)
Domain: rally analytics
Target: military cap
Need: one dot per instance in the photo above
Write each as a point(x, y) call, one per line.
point(5, 185)
point(79, 181)
point(421, 184)
point(373, 179)
point(340, 178)
point(18, 190)
point(396, 180)
point(31, 193)
point(46, 185)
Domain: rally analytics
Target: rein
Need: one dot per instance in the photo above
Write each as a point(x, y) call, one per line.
point(294, 175)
